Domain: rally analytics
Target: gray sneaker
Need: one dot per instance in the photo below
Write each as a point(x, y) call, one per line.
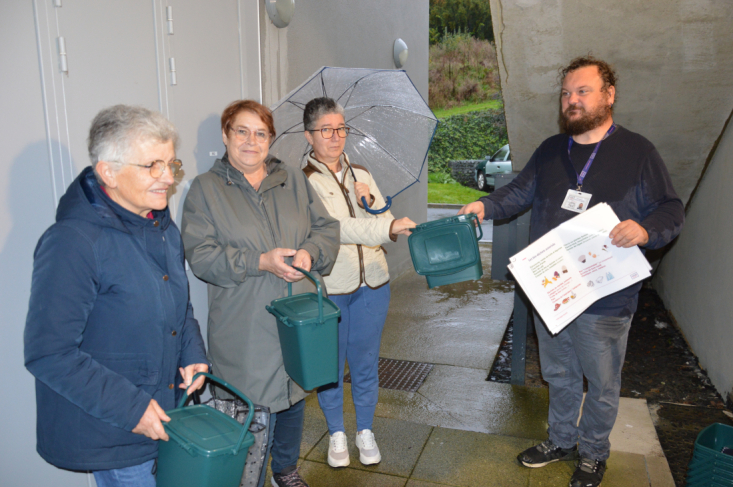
point(338, 452)
point(544, 453)
point(368, 449)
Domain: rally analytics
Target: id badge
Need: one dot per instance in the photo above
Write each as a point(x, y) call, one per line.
point(576, 201)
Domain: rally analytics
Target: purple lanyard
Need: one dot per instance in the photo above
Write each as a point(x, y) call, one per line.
point(581, 176)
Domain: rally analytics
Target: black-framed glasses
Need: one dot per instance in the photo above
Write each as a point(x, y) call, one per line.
point(243, 134)
point(157, 168)
point(327, 132)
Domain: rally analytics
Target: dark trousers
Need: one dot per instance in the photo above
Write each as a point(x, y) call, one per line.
point(593, 346)
point(286, 431)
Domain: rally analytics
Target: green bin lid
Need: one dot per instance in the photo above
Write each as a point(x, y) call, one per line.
point(205, 430)
point(302, 309)
point(444, 246)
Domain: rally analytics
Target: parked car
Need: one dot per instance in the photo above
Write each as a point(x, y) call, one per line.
point(500, 162)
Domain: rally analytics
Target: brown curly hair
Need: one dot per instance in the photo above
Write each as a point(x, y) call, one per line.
point(608, 74)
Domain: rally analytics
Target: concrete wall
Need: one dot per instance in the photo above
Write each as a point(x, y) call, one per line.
point(674, 59)
point(693, 277)
point(351, 33)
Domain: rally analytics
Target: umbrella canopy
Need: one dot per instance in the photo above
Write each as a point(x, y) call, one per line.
point(391, 124)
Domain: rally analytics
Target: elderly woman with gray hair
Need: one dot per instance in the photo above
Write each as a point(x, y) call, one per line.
point(359, 281)
point(110, 326)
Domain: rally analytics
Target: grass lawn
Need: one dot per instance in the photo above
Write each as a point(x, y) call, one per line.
point(491, 104)
point(452, 193)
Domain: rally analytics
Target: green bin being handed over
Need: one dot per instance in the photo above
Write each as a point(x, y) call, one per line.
point(445, 251)
point(308, 328)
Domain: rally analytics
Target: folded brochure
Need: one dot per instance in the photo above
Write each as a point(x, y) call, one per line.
point(574, 265)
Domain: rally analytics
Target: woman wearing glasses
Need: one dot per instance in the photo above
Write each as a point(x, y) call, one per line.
point(110, 324)
point(359, 281)
point(246, 223)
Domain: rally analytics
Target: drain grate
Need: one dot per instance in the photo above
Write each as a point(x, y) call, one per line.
point(400, 375)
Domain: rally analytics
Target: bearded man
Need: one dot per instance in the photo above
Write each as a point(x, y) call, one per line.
point(594, 160)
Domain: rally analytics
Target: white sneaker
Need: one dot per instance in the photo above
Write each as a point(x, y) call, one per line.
point(338, 452)
point(368, 449)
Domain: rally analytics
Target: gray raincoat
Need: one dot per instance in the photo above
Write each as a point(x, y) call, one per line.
point(226, 226)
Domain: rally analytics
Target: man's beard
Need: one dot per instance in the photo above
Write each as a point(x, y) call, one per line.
point(586, 121)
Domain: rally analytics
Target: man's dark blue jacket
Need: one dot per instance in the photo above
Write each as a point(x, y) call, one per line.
point(108, 325)
point(628, 174)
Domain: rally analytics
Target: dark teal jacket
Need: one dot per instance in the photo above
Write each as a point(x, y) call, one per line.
point(108, 325)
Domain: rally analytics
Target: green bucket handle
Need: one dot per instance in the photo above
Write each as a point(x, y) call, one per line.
point(472, 216)
point(318, 288)
point(247, 422)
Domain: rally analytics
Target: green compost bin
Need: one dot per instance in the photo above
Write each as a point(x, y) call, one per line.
point(445, 251)
point(207, 448)
point(712, 457)
point(308, 328)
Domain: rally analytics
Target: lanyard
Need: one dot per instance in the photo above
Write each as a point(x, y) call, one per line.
point(580, 177)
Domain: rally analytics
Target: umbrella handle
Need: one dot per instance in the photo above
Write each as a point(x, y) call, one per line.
point(376, 212)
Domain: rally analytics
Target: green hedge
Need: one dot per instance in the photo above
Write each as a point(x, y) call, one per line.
point(472, 135)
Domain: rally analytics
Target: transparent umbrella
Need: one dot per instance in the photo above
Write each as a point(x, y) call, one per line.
point(391, 124)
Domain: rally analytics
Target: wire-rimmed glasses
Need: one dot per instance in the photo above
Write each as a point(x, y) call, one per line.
point(327, 132)
point(244, 134)
point(157, 168)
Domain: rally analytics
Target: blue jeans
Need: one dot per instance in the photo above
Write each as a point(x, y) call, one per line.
point(135, 476)
point(594, 346)
point(286, 431)
point(363, 314)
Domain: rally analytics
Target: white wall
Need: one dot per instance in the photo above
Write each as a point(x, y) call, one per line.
point(117, 52)
point(352, 33)
point(694, 277)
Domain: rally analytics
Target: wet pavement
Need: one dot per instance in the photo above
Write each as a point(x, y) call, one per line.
point(459, 429)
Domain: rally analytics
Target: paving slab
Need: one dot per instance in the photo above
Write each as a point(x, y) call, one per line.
point(659, 472)
point(459, 324)
point(487, 407)
point(415, 407)
point(321, 475)
point(634, 430)
point(314, 429)
point(400, 443)
point(470, 459)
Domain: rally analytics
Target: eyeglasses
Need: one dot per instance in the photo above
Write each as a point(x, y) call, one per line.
point(243, 134)
point(327, 132)
point(157, 168)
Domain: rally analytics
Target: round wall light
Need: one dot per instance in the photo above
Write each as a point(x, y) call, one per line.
point(280, 11)
point(400, 53)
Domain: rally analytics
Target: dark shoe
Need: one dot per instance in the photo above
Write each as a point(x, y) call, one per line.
point(544, 453)
point(288, 478)
point(589, 473)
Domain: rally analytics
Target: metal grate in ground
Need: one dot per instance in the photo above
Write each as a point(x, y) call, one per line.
point(400, 375)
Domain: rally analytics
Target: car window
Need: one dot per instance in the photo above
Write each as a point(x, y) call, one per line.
point(501, 154)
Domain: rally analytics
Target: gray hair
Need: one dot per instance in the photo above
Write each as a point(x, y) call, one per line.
point(318, 107)
point(116, 131)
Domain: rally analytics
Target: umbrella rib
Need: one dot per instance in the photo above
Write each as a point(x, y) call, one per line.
point(354, 85)
point(299, 105)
